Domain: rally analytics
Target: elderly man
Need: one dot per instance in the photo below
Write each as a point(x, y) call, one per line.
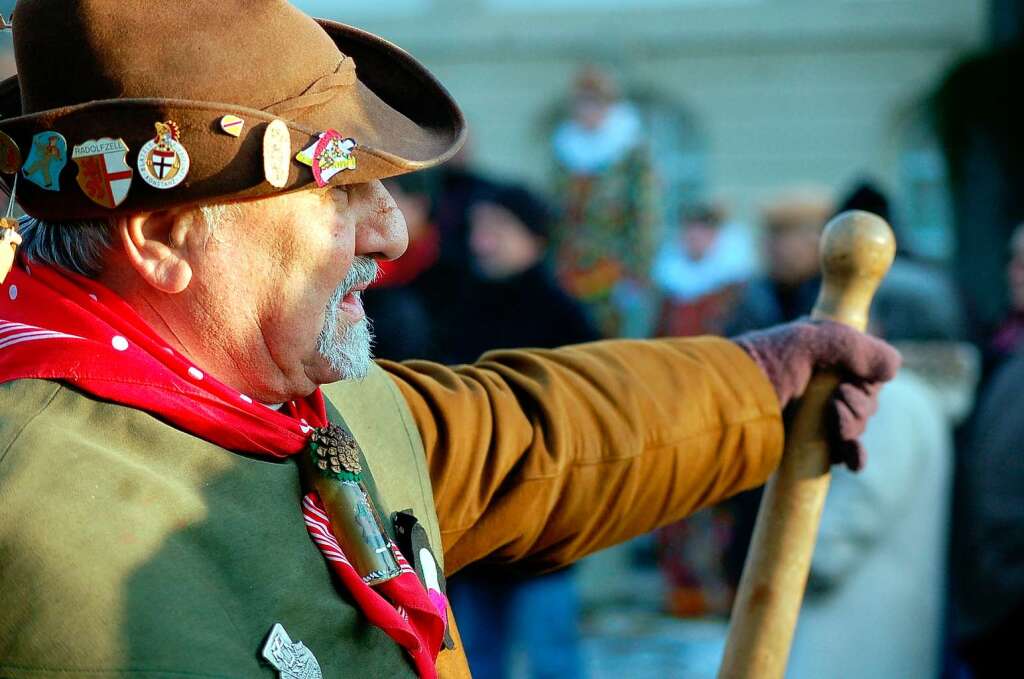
point(194, 480)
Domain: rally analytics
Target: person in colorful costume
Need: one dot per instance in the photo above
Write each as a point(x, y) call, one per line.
point(196, 448)
point(605, 239)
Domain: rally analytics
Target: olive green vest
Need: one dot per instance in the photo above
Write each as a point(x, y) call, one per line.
point(130, 548)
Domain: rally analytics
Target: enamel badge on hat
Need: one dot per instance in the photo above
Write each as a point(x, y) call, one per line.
point(103, 172)
point(10, 155)
point(163, 161)
point(232, 125)
point(328, 155)
point(48, 156)
point(277, 153)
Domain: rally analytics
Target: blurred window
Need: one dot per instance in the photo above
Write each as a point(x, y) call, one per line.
point(533, 5)
point(680, 151)
point(924, 209)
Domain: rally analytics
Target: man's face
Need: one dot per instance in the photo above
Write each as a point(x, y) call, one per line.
point(279, 286)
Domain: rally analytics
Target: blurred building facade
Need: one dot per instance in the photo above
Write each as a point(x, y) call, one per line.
point(741, 96)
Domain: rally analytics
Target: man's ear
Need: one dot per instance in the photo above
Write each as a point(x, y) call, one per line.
point(156, 244)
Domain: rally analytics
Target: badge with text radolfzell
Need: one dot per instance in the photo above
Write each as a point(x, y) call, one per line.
point(103, 171)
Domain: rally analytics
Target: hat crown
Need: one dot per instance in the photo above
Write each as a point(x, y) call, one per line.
point(251, 53)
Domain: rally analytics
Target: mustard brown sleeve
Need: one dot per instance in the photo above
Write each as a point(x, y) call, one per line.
point(544, 456)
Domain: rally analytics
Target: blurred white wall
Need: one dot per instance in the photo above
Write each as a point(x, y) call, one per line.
point(778, 91)
point(782, 90)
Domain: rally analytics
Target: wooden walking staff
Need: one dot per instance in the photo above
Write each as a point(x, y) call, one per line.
point(857, 249)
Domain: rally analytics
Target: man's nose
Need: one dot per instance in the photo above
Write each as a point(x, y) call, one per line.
point(380, 232)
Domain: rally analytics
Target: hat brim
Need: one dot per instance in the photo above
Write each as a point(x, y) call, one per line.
point(400, 116)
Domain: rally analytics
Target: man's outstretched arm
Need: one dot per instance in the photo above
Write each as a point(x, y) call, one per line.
point(544, 456)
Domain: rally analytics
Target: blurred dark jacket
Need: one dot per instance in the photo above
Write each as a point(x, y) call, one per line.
point(763, 302)
point(526, 310)
point(918, 301)
point(988, 554)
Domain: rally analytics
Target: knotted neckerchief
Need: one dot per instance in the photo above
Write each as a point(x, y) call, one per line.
point(56, 325)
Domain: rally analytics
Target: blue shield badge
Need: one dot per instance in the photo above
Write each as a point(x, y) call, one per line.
point(48, 156)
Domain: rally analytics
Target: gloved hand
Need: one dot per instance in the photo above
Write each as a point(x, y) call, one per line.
point(789, 354)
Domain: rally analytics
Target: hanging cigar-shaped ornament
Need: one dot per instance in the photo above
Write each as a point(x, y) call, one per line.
point(333, 468)
point(10, 163)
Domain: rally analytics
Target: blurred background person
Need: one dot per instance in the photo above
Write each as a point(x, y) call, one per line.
point(875, 603)
point(691, 557)
point(1009, 335)
point(700, 270)
point(457, 185)
point(988, 539)
point(791, 227)
point(988, 549)
point(912, 282)
point(609, 215)
point(396, 302)
point(515, 301)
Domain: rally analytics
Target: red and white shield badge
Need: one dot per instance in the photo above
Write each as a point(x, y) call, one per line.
point(103, 173)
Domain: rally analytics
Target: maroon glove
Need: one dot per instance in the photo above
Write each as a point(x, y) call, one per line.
point(789, 354)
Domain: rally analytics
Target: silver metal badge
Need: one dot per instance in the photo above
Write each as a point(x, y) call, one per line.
point(291, 659)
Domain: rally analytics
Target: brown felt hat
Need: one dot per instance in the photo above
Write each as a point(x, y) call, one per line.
point(93, 69)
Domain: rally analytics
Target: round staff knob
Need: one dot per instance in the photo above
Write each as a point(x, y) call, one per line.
point(857, 249)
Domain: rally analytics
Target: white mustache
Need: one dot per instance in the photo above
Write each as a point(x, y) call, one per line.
point(364, 271)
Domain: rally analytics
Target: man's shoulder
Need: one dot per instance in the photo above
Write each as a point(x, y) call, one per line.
point(375, 390)
point(24, 403)
point(42, 420)
point(50, 407)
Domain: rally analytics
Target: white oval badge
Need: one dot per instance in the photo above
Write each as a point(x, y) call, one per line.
point(277, 153)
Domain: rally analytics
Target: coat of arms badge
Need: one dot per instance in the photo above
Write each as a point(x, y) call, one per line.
point(291, 659)
point(103, 172)
point(163, 161)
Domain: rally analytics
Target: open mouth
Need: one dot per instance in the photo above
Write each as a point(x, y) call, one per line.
point(352, 302)
point(363, 273)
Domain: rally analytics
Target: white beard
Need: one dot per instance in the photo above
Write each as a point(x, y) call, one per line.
point(348, 349)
